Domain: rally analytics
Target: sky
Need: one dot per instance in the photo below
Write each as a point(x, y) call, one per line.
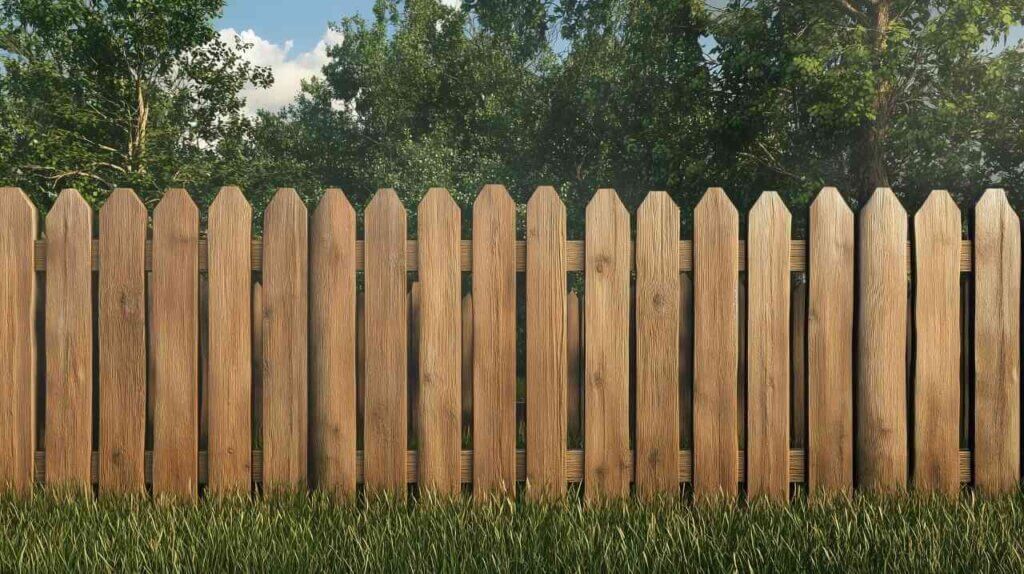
point(292, 37)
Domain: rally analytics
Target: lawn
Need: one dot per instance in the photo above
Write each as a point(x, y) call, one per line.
point(50, 532)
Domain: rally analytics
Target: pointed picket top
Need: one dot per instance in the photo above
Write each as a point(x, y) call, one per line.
point(15, 198)
point(438, 201)
point(606, 200)
point(715, 200)
point(939, 206)
point(334, 201)
point(769, 207)
point(494, 195)
point(69, 205)
point(830, 204)
point(545, 195)
point(655, 202)
point(175, 200)
point(285, 198)
point(993, 200)
point(230, 199)
point(121, 201)
point(384, 201)
point(884, 200)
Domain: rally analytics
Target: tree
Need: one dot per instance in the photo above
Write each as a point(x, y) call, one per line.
point(101, 93)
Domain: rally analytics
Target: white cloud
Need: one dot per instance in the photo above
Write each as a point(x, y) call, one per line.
point(289, 69)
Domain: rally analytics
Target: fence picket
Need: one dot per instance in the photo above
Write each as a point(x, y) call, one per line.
point(229, 386)
point(607, 459)
point(997, 275)
point(332, 356)
point(440, 343)
point(69, 338)
point(494, 342)
point(174, 336)
point(17, 321)
point(716, 352)
point(937, 231)
point(830, 286)
point(882, 345)
point(547, 366)
point(768, 362)
point(385, 431)
point(657, 346)
point(122, 343)
point(285, 342)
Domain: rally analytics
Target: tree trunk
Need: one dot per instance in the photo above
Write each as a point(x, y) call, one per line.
point(868, 166)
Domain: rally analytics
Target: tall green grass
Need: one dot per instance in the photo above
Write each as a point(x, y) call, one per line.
point(52, 532)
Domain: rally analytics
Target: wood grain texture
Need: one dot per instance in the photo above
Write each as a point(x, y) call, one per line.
point(768, 360)
point(657, 346)
point(285, 342)
point(716, 352)
point(387, 322)
point(574, 394)
point(830, 345)
point(229, 386)
point(937, 236)
point(69, 339)
point(174, 336)
point(18, 222)
point(332, 356)
point(494, 342)
point(685, 361)
point(608, 464)
point(997, 255)
point(881, 405)
point(547, 365)
point(122, 343)
point(440, 337)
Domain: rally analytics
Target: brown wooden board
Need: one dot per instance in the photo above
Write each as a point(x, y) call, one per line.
point(18, 221)
point(69, 338)
point(608, 460)
point(997, 265)
point(285, 342)
point(387, 322)
point(716, 352)
point(494, 342)
point(937, 237)
point(332, 328)
point(881, 405)
point(229, 386)
point(547, 365)
point(174, 340)
point(768, 359)
point(830, 345)
point(657, 346)
point(440, 343)
point(122, 343)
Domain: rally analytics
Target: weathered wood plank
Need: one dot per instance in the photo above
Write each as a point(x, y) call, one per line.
point(494, 342)
point(69, 339)
point(547, 365)
point(830, 345)
point(768, 361)
point(607, 463)
point(385, 431)
point(229, 386)
point(174, 332)
point(18, 221)
point(881, 405)
point(997, 256)
point(285, 342)
point(937, 231)
point(657, 346)
point(122, 343)
point(440, 340)
point(332, 328)
point(716, 285)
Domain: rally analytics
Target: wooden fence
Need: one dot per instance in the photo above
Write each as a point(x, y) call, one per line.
point(854, 358)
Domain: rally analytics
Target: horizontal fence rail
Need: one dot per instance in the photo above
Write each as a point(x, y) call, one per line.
point(150, 352)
